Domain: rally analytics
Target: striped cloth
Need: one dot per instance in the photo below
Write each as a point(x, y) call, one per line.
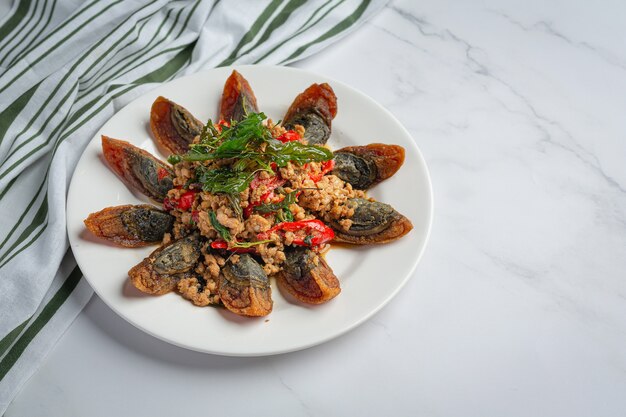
point(66, 66)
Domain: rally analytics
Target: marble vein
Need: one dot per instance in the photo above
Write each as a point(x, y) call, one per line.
point(295, 396)
point(380, 325)
point(548, 28)
point(584, 155)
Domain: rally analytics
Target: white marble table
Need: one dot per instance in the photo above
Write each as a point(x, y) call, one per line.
point(518, 307)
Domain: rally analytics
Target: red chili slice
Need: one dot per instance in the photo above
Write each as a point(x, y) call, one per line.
point(289, 136)
point(186, 200)
point(326, 167)
point(316, 232)
point(184, 203)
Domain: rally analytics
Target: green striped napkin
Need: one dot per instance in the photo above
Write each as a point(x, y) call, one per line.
point(66, 67)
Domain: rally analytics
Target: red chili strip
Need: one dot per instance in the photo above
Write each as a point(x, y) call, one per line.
point(326, 167)
point(316, 232)
point(184, 203)
point(289, 136)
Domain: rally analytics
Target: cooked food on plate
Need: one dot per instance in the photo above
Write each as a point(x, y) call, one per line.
point(244, 200)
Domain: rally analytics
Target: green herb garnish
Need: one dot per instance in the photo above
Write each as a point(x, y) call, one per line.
point(245, 245)
point(244, 140)
point(282, 153)
point(284, 215)
point(223, 231)
point(273, 207)
point(223, 180)
point(251, 147)
point(281, 208)
point(174, 159)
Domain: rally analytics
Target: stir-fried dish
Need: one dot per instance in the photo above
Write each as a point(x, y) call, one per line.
point(244, 199)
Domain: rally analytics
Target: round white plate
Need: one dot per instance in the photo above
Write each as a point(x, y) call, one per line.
point(369, 276)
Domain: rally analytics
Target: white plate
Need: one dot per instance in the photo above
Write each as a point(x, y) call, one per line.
point(369, 276)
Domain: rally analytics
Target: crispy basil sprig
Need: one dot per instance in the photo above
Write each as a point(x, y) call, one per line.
point(221, 229)
point(250, 143)
point(252, 148)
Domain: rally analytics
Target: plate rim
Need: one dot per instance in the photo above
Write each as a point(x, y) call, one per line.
point(332, 335)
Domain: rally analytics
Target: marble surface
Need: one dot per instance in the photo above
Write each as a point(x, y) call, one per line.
point(518, 307)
